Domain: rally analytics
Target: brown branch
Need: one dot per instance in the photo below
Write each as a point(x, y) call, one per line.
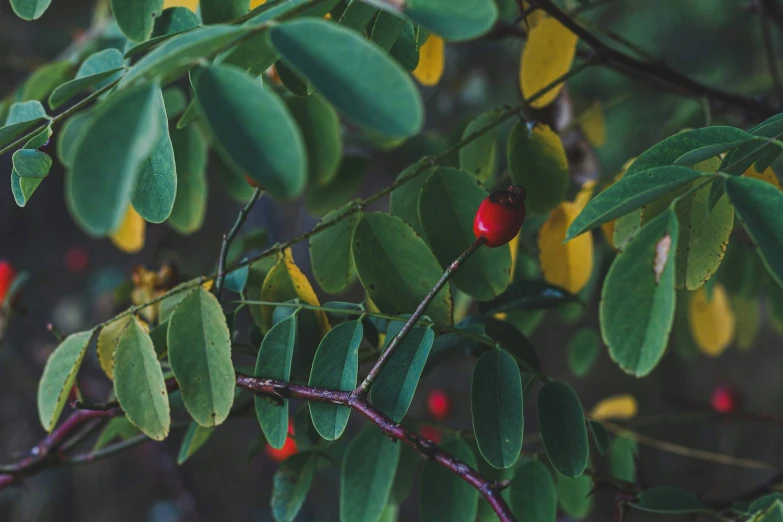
point(228, 238)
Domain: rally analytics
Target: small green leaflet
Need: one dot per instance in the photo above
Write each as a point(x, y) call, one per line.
point(96, 71)
point(563, 430)
point(194, 438)
point(453, 19)
point(533, 494)
point(330, 253)
point(444, 496)
point(291, 484)
point(30, 9)
point(190, 158)
point(136, 17)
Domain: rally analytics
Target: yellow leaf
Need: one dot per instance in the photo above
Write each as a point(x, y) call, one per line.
point(207, 285)
point(431, 61)
point(548, 54)
point(534, 17)
point(565, 264)
point(712, 322)
point(594, 125)
point(107, 341)
point(285, 282)
point(768, 175)
point(256, 3)
point(615, 407)
point(129, 237)
point(190, 4)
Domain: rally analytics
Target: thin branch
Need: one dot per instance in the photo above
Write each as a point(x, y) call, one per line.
point(362, 390)
point(228, 238)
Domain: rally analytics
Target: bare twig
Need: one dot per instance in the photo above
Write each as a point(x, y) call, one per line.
point(228, 238)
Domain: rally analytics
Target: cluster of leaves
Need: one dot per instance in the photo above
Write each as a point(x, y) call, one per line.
point(341, 68)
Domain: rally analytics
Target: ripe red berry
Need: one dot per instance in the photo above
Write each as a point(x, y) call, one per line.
point(76, 260)
point(288, 449)
point(438, 404)
point(723, 400)
point(7, 275)
point(500, 216)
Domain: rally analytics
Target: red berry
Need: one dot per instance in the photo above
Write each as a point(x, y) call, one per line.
point(723, 400)
point(76, 260)
point(7, 275)
point(288, 449)
point(438, 404)
point(500, 216)
point(433, 434)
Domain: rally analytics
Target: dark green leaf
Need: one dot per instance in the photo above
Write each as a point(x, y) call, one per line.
point(537, 160)
point(190, 157)
point(447, 208)
point(322, 199)
point(563, 431)
point(292, 81)
point(496, 405)
point(253, 128)
point(710, 151)
point(219, 11)
point(200, 356)
point(512, 341)
point(357, 15)
point(450, 344)
point(322, 135)
point(58, 377)
point(335, 367)
point(396, 267)
point(406, 49)
point(30, 9)
point(386, 30)
point(175, 101)
point(194, 438)
point(533, 494)
point(444, 496)
point(254, 54)
point(274, 362)
point(453, 19)
point(96, 71)
point(406, 473)
point(622, 459)
point(638, 298)
point(156, 187)
point(393, 390)
point(758, 205)
point(31, 163)
point(139, 384)
point(69, 136)
point(330, 253)
point(628, 194)
point(479, 157)
point(97, 201)
point(136, 17)
point(68, 90)
point(404, 202)
point(22, 117)
point(291, 484)
point(601, 436)
point(574, 496)
point(526, 294)
point(175, 20)
point(765, 502)
point(367, 475)
point(582, 351)
point(667, 500)
point(352, 74)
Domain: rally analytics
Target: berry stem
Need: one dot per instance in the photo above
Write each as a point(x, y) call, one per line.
point(362, 390)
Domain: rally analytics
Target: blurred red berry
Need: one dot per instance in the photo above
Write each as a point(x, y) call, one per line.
point(433, 434)
point(288, 449)
point(723, 400)
point(500, 216)
point(438, 404)
point(7, 275)
point(76, 260)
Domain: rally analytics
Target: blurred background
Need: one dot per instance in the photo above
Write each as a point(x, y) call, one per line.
point(73, 277)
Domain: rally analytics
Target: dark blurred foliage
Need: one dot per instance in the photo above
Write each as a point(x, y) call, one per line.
point(717, 42)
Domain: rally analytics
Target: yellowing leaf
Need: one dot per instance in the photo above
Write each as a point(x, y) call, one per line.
point(431, 61)
point(190, 4)
point(594, 125)
point(565, 264)
point(207, 285)
point(373, 309)
point(615, 407)
point(129, 237)
point(534, 17)
point(548, 54)
point(768, 175)
point(711, 322)
point(285, 282)
point(107, 342)
point(256, 3)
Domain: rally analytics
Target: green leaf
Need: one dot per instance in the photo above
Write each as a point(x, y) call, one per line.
point(322, 135)
point(22, 117)
point(357, 15)
point(320, 200)
point(39, 84)
point(156, 187)
point(622, 459)
point(537, 160)
point(190, 157)
point(386, 30)
point(628, 194)
point(97, 201)
point(175, 20)
point(479, 157)
point(533, 494)
point(638, 298)
point(758, 205)
point(219, 11)
point(453, 19)
point(367, 475)
point(352, 74)
point(601, 436)
point(200, 356)
point(58, 377)
point(330, 253)
point(335, 367)
point(118, 427)
point(23, 188)
point(765, 502)
point(291, 80)
point(406, 49)
point(444, 496)
point(710, 151)
point(528, 294)
point(253, 54)
point(274, 362)
point(574, 496)
point(667, 500)
point(396, 267)
point(404, 202)
point(31, 163)
point(30, 9)
point(447, 208)
point(496, 405)
point(69, 136)
point(232, 181)
point(136, 17)
point(407, 469)
point(291, 483)
point(563, 431)
point(175, 56)
point(139, 384)
point(254, 129)
point(97, 70)
point(194, 438)
point(582, 351)
point(68, 90)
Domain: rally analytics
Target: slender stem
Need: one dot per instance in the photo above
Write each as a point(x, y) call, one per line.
point(364, 387)
point(228, 238)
